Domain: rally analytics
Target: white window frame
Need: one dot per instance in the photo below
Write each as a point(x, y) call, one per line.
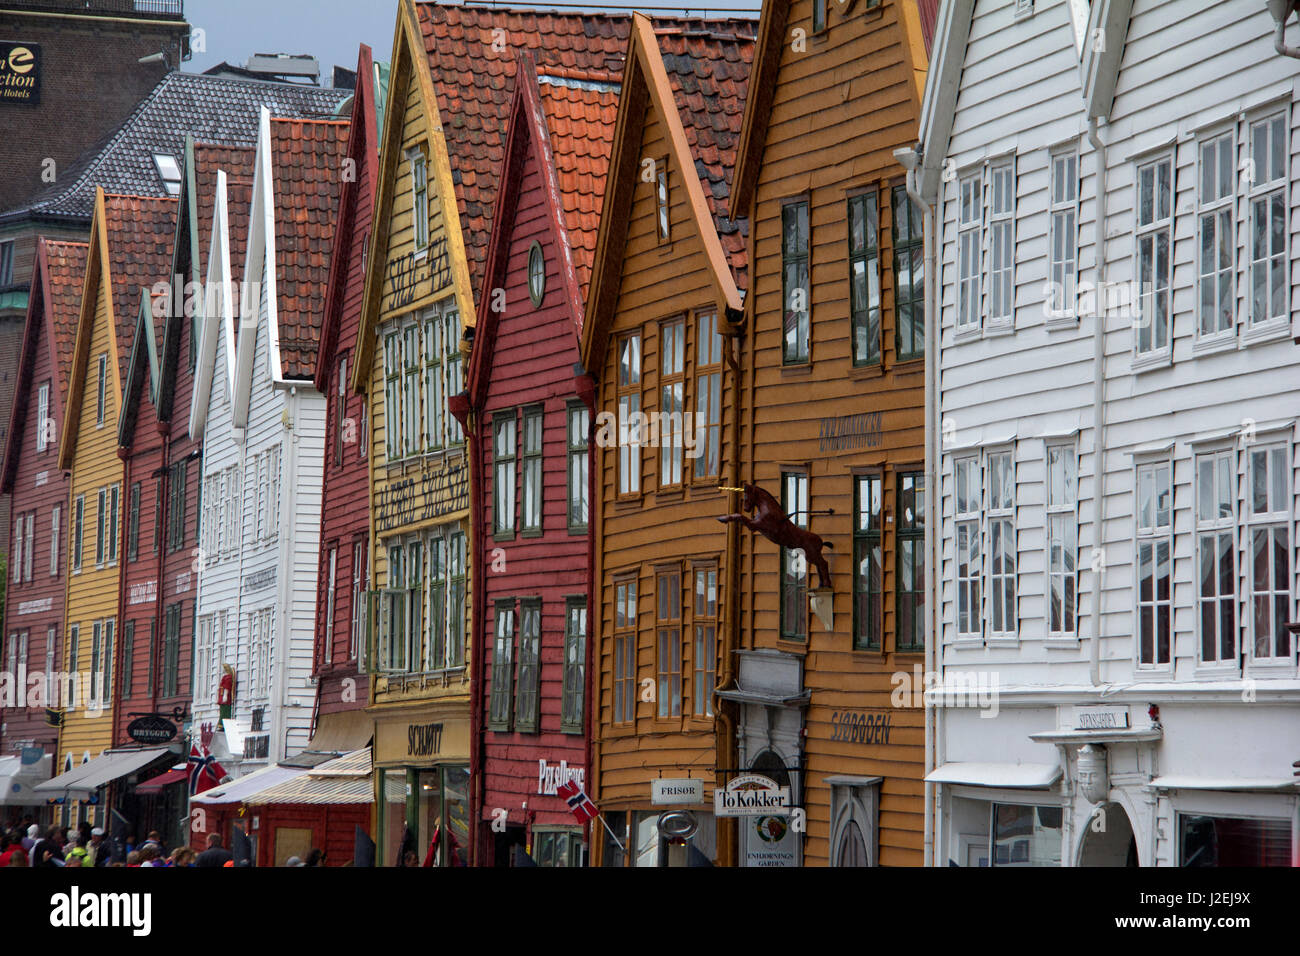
point(970, 233)
point(56, 515)
point(1152, 535)
point(1264, 187)
point(42, 415)
point(31, 545)
point(1222, 463)
point(1000, 237)
point(419, 199)
point(1002, 513)
point(330, 595)
point(101, 397)
point(1157, 353)
point(17, 549)
point(1065, 511)
point(1276, 517)
point(1216, 211)
point(1063, 236)
point(968, 497)
point(358, 593)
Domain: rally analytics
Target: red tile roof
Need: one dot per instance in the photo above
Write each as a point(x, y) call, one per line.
point(473, 79)
point(237, 161)
point(580, 118)
point(306, 159)
point(709, 74)
point(140, 233)
point(66, 262)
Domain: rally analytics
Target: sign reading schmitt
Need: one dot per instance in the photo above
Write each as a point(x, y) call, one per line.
point(751, 795)
point(678, 792)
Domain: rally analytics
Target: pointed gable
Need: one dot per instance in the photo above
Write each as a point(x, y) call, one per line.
point(52, 312)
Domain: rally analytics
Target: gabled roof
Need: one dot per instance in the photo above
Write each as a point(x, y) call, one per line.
point(306, 163)
point(193, 232)
point(916, 22)
point(209, 108)
point(142, 366)
point(695, 79)
point(220, 320)
point(564, 124)
point(130, 249)
point(1102, 52)
point(363, 151)
point(57, 279)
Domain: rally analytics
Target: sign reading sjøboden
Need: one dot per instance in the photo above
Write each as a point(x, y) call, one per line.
point(751, 795)
point(20, 74)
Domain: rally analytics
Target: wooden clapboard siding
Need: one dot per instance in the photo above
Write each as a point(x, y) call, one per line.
point(838, 110)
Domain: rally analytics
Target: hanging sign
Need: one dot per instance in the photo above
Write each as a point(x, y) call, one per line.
point(751, 795)
point(151, 730)
point(676, 792)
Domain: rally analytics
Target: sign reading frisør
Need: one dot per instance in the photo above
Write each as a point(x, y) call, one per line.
point(751, 795)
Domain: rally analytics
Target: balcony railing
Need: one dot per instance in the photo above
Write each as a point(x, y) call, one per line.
point(161, 9)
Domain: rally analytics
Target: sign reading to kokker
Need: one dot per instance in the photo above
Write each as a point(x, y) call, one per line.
point(751, 795)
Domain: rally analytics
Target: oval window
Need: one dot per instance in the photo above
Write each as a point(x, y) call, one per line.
point(536, 274)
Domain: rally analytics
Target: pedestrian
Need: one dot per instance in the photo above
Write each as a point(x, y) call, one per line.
point(33, 835)
point(133, 858)
point(181, 856)
point(315, 858)
point(293, 861)
point(49, 851)
point(10, 844)
point(100, 852)
point(18, 857)
point(215, 854)
point(78, 855)
point(149, 855)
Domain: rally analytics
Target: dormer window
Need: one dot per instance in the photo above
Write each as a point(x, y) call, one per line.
point(169, 172)
point(536, 274)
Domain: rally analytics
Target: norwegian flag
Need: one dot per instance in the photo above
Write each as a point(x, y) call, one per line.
point(205, 772)
point(579, 803)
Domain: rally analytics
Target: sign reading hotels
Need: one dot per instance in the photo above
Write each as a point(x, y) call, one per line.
point(20, 74)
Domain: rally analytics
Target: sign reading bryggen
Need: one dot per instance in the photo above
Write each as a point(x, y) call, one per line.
point(20, 74)
point(423, 497)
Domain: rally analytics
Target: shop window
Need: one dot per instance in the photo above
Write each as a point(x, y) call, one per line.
point(1233, 841)
point(855, 808)
point(794, 566)
point(613, 854)
point(557, 847)
point(1025, 835)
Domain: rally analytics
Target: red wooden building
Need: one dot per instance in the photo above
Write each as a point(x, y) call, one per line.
point(39, 490)
point(342, 685)
point(530, 431)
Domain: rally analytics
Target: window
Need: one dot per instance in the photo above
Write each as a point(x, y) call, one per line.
point(114, 520)
point(1269, 277)
point(128, 659)
point(662, 200)
point(157, 514)
point(968, 495)
point(133, 523)
point(171, 650)
point(855, 811)
point(1063, 242)
point(579, 425)
point(78, 519)
point(101, 513)
point(55, 515)
point(796, 288)
point(31, 545)
point(340, 408)
point(16, 654)
point(557, 847)
point(528, 665)
point(1025, 835)
point(502, 653)
point(575, 663)
point(1154, 550)
point(910, 541)
point(259, 623)
point(451, 362)
point(668, 647)
point(532, 465)
point(1267, 533)
point(1002, 244)
point(705, 620)
point(1154, 231)
point(1216, 551)
point(708, 396)
point(536, 274)
point(51, 633)
point(43, 433)
point(74, 639)
point(625, 631)
point(456, 599)
point(331, 590)
point(358, 588)
point(629, 415)
point(868, 564)
point(102, 393)
point(503, 472)
point(7, 264)
point(1062, 541)
point(18, 549)
point(1216, 241)
point(101, 661)
point(794, 566)
point(1233, 841)
point(392, 396)
point(1002, 544)
point(672, 401)
point(169, 171)
point(177, 489)
point(204, 657)
point(419, 199)
point(909, 274)
point(411, 431)
point(435, 405)
point(864, 278)
point(970, 220)
point(818, 16)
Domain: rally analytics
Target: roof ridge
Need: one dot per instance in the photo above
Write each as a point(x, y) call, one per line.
point(108, 196)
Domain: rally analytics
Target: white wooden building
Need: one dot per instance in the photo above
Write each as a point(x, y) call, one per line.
point(263, 438)
point(1130, 696)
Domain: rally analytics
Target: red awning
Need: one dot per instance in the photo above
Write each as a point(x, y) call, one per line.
point(155, 784)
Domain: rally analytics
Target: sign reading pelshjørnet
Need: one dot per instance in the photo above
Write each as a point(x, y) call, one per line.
point(20, 74)
point(751, 795)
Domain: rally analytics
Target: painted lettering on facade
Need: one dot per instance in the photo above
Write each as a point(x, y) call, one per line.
point(843, 432)
point(424, 497)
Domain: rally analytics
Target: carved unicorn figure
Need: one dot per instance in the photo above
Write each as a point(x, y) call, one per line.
point(772, 523)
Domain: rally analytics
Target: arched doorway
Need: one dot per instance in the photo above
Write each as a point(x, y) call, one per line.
point(1108, 838)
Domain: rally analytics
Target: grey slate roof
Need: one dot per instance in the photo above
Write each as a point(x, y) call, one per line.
point(213, 109)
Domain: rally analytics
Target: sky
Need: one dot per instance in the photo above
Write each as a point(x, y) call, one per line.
point(329, 30)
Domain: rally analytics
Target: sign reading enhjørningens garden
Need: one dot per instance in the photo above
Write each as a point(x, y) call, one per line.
point(20, 74)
